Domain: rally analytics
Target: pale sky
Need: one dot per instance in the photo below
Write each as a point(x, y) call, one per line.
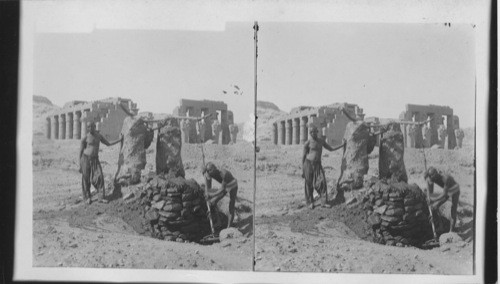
point(380, 67)
point(154, 68)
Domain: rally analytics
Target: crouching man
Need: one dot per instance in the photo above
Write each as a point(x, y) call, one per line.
point(90, 167)
point(228, 184)
point(451, 190)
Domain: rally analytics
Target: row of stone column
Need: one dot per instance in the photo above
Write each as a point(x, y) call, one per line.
point(67, 125)
point(291, 131)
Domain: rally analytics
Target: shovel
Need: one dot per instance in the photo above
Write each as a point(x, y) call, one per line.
point(212, 238)
point(434, 242)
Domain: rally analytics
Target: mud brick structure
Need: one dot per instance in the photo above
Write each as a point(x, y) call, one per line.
point(71, 121)
point(294, 128)
point(194, 108)
point(441, 115)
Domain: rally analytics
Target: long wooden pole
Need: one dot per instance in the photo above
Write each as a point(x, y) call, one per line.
point(429, 200)
point(209, 211)
point(255, 37)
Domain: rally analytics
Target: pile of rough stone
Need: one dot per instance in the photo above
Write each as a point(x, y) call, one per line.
point(175, 207)
point(398, 213)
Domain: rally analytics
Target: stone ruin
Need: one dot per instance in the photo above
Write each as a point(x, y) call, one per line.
point(427, 135)
point(398, 213)
point(215, 128)
point(391, 163)
point(137, 137)
point(71, 121)
point(233, 130)
point(359, 143)
point(175, 207)
point(168, 149)
point(330, 120)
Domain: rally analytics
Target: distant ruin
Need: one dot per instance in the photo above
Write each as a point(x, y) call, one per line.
point(195, 108)
point(71, 121)
point(439, 115)
point(330, 120)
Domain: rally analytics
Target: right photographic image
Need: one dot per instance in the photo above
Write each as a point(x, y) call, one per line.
point(365, 148)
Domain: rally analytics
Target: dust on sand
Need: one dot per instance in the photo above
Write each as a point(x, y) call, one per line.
point(69, 233)
point(291, 237)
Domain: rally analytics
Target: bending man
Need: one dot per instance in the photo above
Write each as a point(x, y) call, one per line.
point(228, 184)
point(312, 171)
point(450, 190)
point(90, 167)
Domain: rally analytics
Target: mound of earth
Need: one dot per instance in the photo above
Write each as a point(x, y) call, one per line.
point(41, 100)
point(267, 105)
point(267, 114)
point(41, 108)
point(69, 233)
point(71, 104)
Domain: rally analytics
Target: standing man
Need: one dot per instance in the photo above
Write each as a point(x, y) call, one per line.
point(228, 184)
point(450, 190)
point(90, 167)
point(312, 170)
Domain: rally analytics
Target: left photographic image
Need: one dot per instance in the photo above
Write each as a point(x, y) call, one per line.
point(143, 153)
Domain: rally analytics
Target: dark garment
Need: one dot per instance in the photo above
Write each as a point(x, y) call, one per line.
point(91, 175)
point(314, 179)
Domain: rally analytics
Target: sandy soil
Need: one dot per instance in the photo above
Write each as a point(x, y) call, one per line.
point(289, 237)
point(70, 234)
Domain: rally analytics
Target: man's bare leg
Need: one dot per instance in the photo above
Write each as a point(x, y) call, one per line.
point(454, 206)
point(324, 200)
point(232, 203)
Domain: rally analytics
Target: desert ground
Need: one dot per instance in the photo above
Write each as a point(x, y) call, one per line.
point(290, 237)
point(69, 233)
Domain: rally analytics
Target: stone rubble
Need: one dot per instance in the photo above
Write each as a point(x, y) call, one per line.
point(175, 207)
point(398, 213)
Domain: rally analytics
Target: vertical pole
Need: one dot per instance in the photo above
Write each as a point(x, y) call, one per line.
point(256, 29)
point(255, 37)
